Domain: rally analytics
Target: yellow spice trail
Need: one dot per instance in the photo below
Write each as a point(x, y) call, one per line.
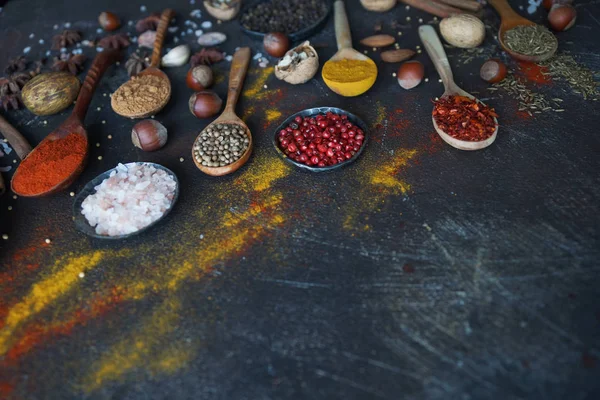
point(385, 175)
point(45, 292)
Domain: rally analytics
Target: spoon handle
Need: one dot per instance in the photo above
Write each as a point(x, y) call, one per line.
point(239, 67)
point(165, 19)
point(436, 52)
point(504, 9)
point(99, 66)
point(342, 28)
point(15, 139)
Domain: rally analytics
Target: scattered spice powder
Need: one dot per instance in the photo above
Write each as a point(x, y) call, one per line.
point(464, 118)
point(50, 164)
point(140, 95)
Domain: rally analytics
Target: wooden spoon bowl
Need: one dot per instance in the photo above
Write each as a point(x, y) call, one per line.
point(436, 52)
point(510, 20)
point(346, 52)
point(74, 124)
point(239, 67)
point(153, 69)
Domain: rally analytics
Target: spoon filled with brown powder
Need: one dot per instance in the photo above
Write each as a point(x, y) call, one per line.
point(148, 92)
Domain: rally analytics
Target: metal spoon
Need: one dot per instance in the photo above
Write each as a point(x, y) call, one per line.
point(239, 67)
point(153, 69)
point(74, 124)
point(346, 52)
point(510, 20)
point(436, 52)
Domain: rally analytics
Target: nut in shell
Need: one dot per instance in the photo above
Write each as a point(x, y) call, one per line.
point(225, 10)
point(177, 56)
point(464, 30)
point(378, 5)
point(50, 93)
point(299, 65)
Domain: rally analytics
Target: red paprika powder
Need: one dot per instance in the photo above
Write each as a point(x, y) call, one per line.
point(51, 163)
point(464, 118)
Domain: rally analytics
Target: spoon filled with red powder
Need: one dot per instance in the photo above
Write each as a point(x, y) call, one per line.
point(459, 118)
point(59, 159)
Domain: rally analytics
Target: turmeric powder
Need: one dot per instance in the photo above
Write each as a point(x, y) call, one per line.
point(349, 70)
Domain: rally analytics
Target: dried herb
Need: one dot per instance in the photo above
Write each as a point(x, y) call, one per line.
point(206, 56)
point(16, 65)
point(529, 101)
point(149, 23)
point(581, 79)
point(72, 64)
point(118, 41)
point(137, 63)
point(65, 39)
point(11, 102)
point(464, 118)
point(532, 40)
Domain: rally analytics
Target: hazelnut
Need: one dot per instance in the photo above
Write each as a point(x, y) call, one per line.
point(149, 135)
point(205, 104)
point(493, 71)
point(276, 44)
point(562, 17)
point(199, 78)
point(410, 74)
point(109, 21)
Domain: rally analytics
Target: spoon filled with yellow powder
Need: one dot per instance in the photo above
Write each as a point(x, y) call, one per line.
point(348, 73)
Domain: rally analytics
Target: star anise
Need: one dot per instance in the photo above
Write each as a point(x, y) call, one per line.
point(118, 41)
point(66, 62)
point(11, 102)
point(150, 23)
point(16, 65)
point(65, 39)
point(206, 57)
point(137, 63)
point(14, 83)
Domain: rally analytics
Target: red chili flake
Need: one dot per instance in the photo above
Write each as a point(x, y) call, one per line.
point(464, 118)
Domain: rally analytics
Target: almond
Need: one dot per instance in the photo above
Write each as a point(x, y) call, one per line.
point(378, 41)
point(399, 55)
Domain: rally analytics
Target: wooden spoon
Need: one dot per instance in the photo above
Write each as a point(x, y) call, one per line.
point(346, 52)
point(434, 48)
point(74, 124)
point(17, 142)
point(153, 69)
point(510, 20)
point(239, 67)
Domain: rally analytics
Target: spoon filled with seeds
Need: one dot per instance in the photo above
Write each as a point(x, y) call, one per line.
point(149, 91)
point(521, 38)
point(226, 144)
point(458, 117)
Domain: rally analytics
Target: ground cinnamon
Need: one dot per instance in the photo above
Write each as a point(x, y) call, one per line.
point(49, 164)
point(140, 95)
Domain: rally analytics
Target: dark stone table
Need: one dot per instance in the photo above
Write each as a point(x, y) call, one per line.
point(419, 272)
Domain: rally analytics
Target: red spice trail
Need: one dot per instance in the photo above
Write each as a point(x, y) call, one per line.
point(534, 72)
point(51, 163)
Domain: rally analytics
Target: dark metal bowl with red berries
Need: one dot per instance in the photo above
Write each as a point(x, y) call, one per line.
point(321, 139)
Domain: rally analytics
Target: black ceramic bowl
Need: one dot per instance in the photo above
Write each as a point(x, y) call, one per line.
point(313, 112)
point(294, 37)
point(82, 224)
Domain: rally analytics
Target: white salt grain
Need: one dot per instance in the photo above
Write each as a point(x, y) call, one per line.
point(132, 198)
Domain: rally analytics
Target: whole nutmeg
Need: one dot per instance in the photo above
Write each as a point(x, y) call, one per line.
point(463, 30)
point(276, 44)
point(109, 21)
point(50, 92)
point(562, 17)
point(493, 71)
point(149, 135)
point(410, 74)
point(199, 78)
point(205, 104)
